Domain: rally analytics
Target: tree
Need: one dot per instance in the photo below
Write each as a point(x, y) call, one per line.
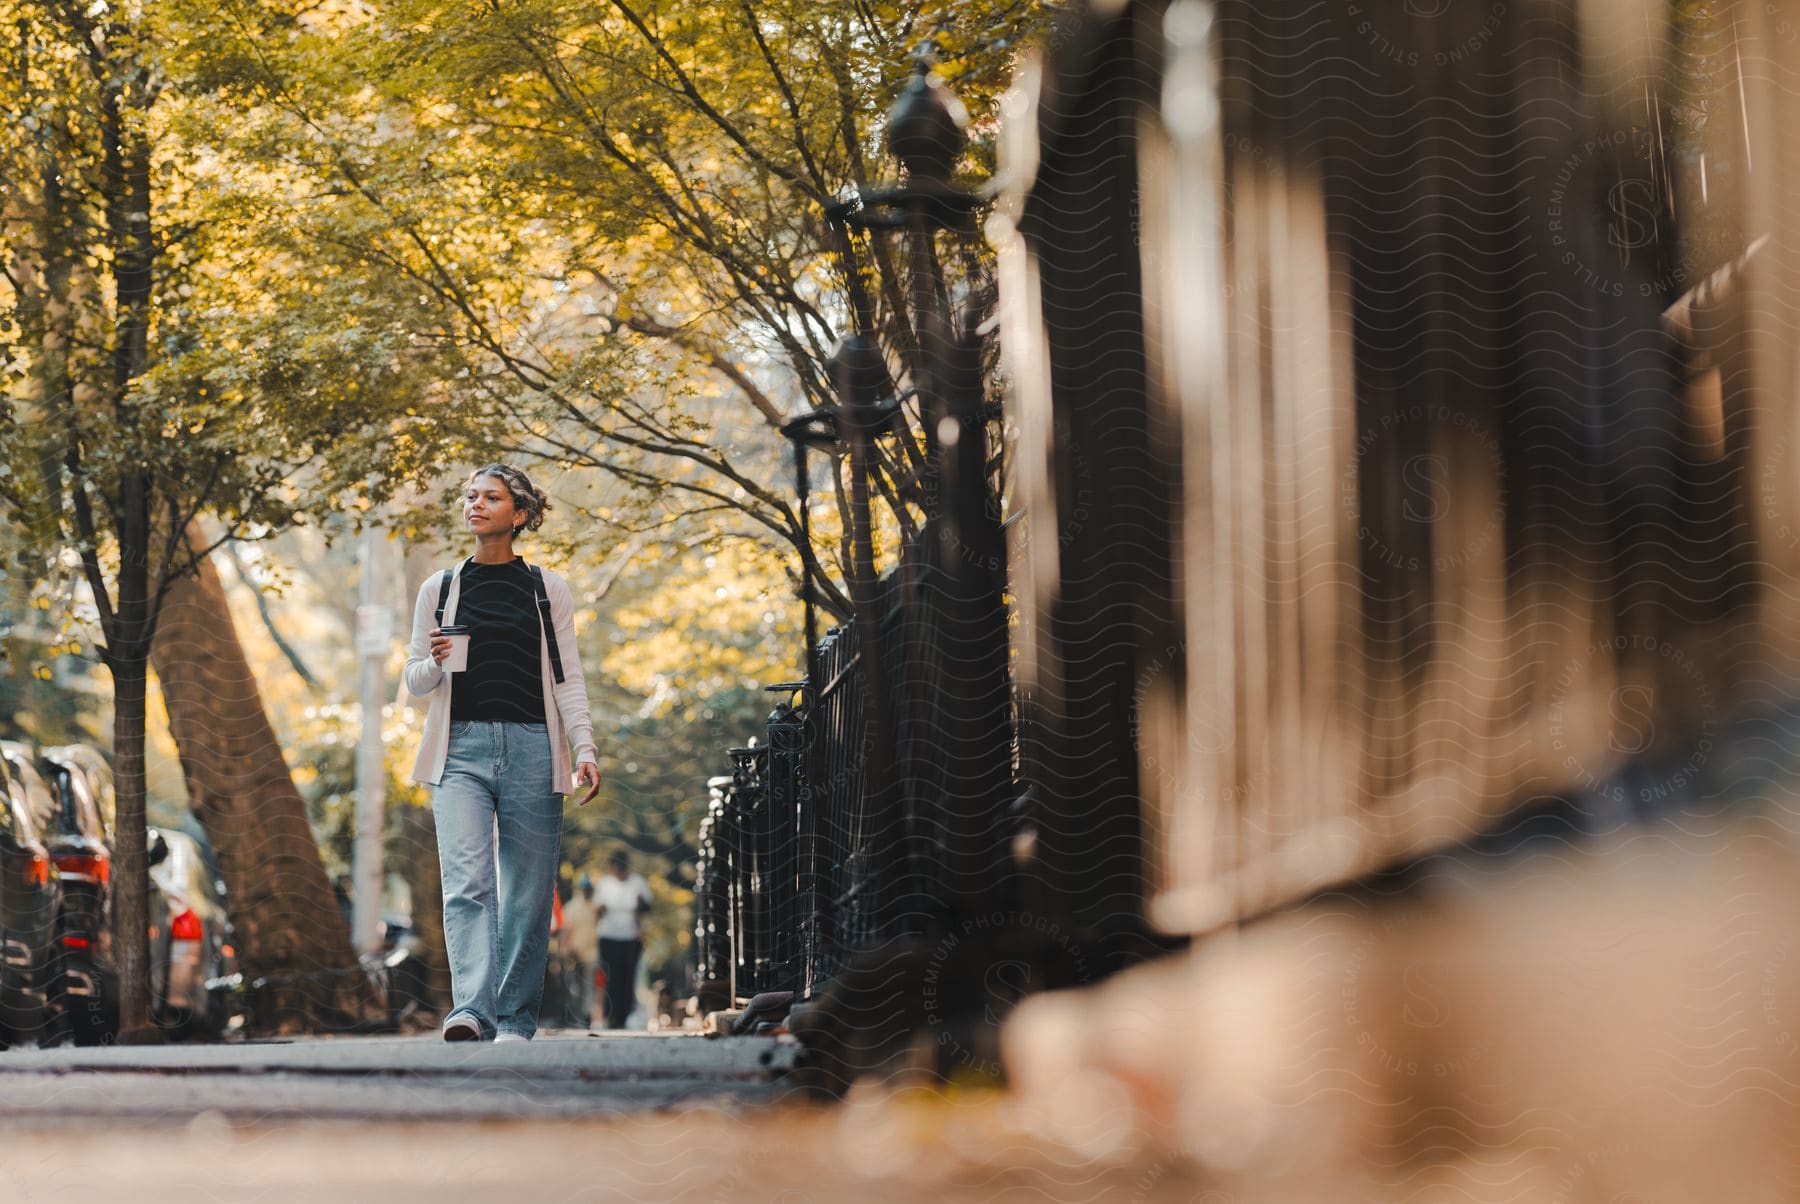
point(287, 922)
point(130, 300)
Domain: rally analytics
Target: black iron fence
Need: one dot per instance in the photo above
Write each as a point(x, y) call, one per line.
point(802, 863)
point(713, 987)
point(842, 893)
point(875, 805)
point(736, 891)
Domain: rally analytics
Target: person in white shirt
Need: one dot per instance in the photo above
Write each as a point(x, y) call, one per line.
point(623, 897)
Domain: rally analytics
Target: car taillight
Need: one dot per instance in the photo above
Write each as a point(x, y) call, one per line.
point(185, 927)
point(38, 872)
point(76, 942)
point(85, 865)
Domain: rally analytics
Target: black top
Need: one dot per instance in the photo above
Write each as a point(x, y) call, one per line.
point(504, 680)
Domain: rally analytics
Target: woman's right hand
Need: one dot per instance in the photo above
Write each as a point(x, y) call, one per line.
point(440, 645)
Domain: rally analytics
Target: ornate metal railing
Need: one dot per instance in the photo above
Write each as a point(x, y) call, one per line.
point(795, 868)
point(876, 806)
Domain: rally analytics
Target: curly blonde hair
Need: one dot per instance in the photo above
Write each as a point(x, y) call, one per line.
point(534, 502)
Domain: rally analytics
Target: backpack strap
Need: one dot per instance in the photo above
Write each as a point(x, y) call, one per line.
point(543, 603)
point(444, 588)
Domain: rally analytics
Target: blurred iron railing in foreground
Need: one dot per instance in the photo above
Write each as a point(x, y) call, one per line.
point(1318, 576)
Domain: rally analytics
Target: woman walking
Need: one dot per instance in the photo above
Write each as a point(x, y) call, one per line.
point(493, 648)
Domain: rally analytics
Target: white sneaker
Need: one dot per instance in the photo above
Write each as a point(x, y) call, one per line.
point(462, 1028)
point(503, 1037)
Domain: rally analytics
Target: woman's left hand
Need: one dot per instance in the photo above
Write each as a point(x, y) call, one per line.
point(587, 774)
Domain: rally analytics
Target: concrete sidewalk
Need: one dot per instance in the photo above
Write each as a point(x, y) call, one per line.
point(403, 1078)
point(571, 1116)
point(554, 1052)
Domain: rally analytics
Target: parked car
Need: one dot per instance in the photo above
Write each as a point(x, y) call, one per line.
point(85, 989)
point(190, 953)
point(93, 765)
point(29, 895)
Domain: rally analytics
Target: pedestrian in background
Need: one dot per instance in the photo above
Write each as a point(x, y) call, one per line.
point(503, 715)
point(624, 896)
point(580, 944)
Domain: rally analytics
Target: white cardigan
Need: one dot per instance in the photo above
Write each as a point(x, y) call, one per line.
point(565, 706)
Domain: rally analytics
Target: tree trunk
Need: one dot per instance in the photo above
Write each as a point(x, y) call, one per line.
point(289, 928)
point(131, 913)
point(126, 153)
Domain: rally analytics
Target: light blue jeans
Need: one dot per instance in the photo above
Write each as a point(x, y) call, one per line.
point(496, 790)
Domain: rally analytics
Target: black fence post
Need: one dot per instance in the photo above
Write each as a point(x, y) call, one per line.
point(785, 792)
point(712, 906)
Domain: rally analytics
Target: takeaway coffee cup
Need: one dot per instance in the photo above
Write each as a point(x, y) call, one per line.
point(458, 660)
